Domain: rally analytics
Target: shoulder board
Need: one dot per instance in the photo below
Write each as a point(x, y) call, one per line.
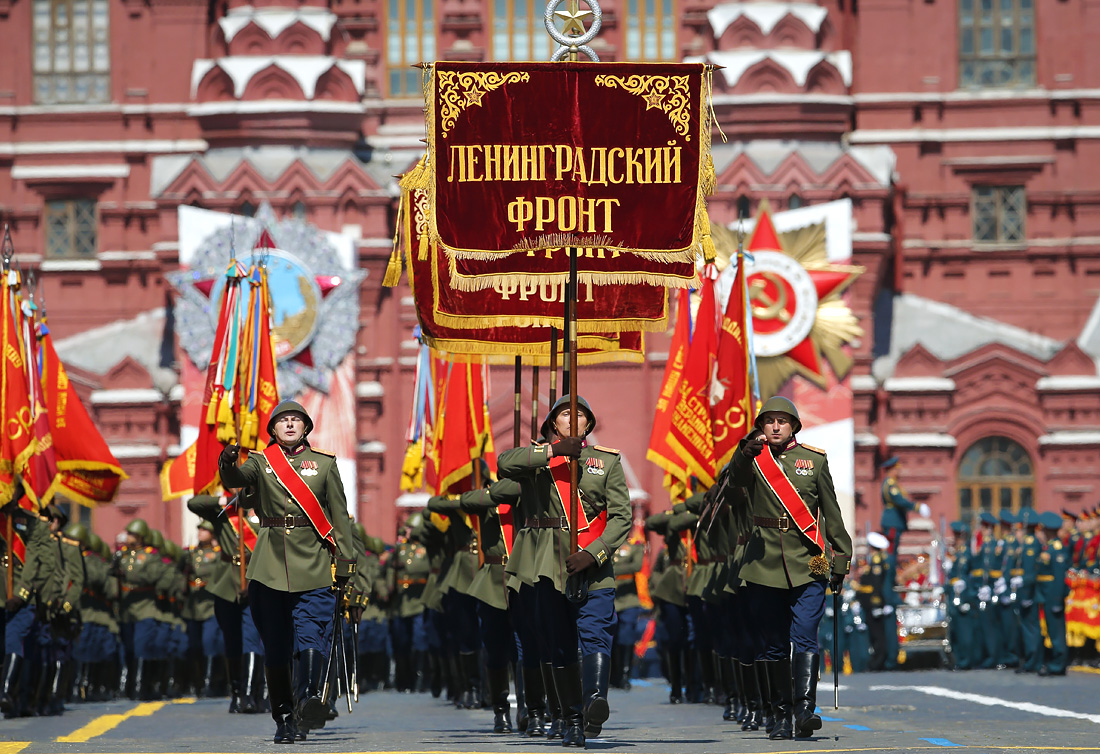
point(323, 452)
point(72, 542)
point(614, 451)
point(811, 447)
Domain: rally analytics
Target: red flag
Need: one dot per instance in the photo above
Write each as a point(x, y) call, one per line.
point(659, 451)
point(40, 478)
point(87, 471)
point(730, 391)
point(177, 477)
point(690, 434)
point(258, 388)
point(17, 442)
point(216, 424)
point(462, 432)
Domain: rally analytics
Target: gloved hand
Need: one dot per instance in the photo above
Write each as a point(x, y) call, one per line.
point(342, 582)
point(355, 614)
point(579, 561)
point(1016, 582)
point(999, 586)
point(570, 447)
point(888, 609)
point(229, 455)
point(835, 580)
point(985, 594)
point(959, 586)
point(876, 612)
point(924, 510)
point(754, 444)
point(13, 604)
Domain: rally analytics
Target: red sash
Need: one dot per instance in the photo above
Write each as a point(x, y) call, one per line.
point(249, 534)
point(795, 506)
point(299, 491)
point(587, 531)
point(19, 548)
point(504, 513)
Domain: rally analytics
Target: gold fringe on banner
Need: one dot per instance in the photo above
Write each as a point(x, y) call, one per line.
point(537, 354)
point(470, 283)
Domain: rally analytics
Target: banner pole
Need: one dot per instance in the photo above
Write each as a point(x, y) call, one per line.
point(571, 326)
point(534, 402)
point(553, 365)
point(517, 417)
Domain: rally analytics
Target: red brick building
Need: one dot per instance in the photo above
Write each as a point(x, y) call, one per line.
point(964, 135)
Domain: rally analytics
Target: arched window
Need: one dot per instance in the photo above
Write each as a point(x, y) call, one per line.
point(995, 473)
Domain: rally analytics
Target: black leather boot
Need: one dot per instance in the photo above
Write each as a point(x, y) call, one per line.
point(726, 687)
point(249, 675)
point(144, 673)
point(767, 721)
point(753, 701)
point(497, 678)
point(9, 684)
point(233, 673)
point(534, 695)
point(311, 708)
point(707, 676)
point(675, 678)
point(595, 675)
point(471, 675)
point(435, 664)
point(208, 678)
point(567, 683)
point(282, 703)
point(553, 703)
point(806, 720)
point(521, 698)
point(739, 699)
point(782, 692)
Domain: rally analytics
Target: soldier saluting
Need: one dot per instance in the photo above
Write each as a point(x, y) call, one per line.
point(785, 566)
point(304, 531)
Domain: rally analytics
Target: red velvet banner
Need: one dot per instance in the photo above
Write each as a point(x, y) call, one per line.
point(519, 302)
point(544, 155)
point(429, 283)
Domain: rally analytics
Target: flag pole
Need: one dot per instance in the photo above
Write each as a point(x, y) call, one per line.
point(534, 402)
point(7, 251)
point(571, 328)
point(553, 365)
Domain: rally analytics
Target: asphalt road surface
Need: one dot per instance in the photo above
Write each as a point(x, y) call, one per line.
point(882, 712)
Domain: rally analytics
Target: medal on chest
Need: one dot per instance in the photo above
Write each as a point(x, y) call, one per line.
point(594, 466)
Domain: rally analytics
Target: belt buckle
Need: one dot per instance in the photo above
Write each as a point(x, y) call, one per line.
point(784, 523)
point(288, 524)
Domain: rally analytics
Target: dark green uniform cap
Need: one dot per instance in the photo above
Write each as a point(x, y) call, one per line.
point(77, 531)
point(562, 404)
point(207, 526)
point(1050, 520)
point(783, 406)
point(138, 527)
point(285, 407)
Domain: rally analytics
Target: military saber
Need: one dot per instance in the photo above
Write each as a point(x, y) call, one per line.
point(332, 647)
point(836, 644)
point(344, 663)
point(355, 658)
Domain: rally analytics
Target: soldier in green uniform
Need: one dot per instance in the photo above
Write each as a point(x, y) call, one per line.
point(490, 505)
point(962, 620)
point(139, 568)
point(1052, 591)
point(203, 566)
point(409, 569)
point(62, 616)
point(669, 592)
point(244, 652)
point(541, 562)
point(627, 562)
point(785, 565)
point(303, 549)
point(1004, 560)
point(97, 647)
point(371, 592)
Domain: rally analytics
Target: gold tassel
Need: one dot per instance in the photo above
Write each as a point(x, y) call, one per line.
point(212, 412)
point(393, 267)
point(226, 430)
point(422, 250)
point(419, 178)
point(709, 252)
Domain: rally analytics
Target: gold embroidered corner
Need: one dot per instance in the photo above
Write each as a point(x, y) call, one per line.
point(670, 94)
point(457, 91)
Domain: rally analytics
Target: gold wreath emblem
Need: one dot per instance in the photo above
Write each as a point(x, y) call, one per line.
point(670, 94)
point(458, 91)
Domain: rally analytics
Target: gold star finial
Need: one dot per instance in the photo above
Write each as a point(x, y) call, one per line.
point(572, 17)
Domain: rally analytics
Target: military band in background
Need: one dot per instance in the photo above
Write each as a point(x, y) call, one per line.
point(472, 600)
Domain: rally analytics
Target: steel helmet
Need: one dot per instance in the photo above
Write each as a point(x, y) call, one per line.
point(783, 406)
point(562, 404)
point(286, 407)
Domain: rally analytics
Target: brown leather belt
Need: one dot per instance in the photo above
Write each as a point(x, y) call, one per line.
point(708, 561)
point(559, 522)
point(496, 560)
point(411, 582)
point(284, 522)
point(741, 541)
point(783, 523)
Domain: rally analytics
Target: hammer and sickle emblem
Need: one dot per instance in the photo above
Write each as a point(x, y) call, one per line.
point(769, 308)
